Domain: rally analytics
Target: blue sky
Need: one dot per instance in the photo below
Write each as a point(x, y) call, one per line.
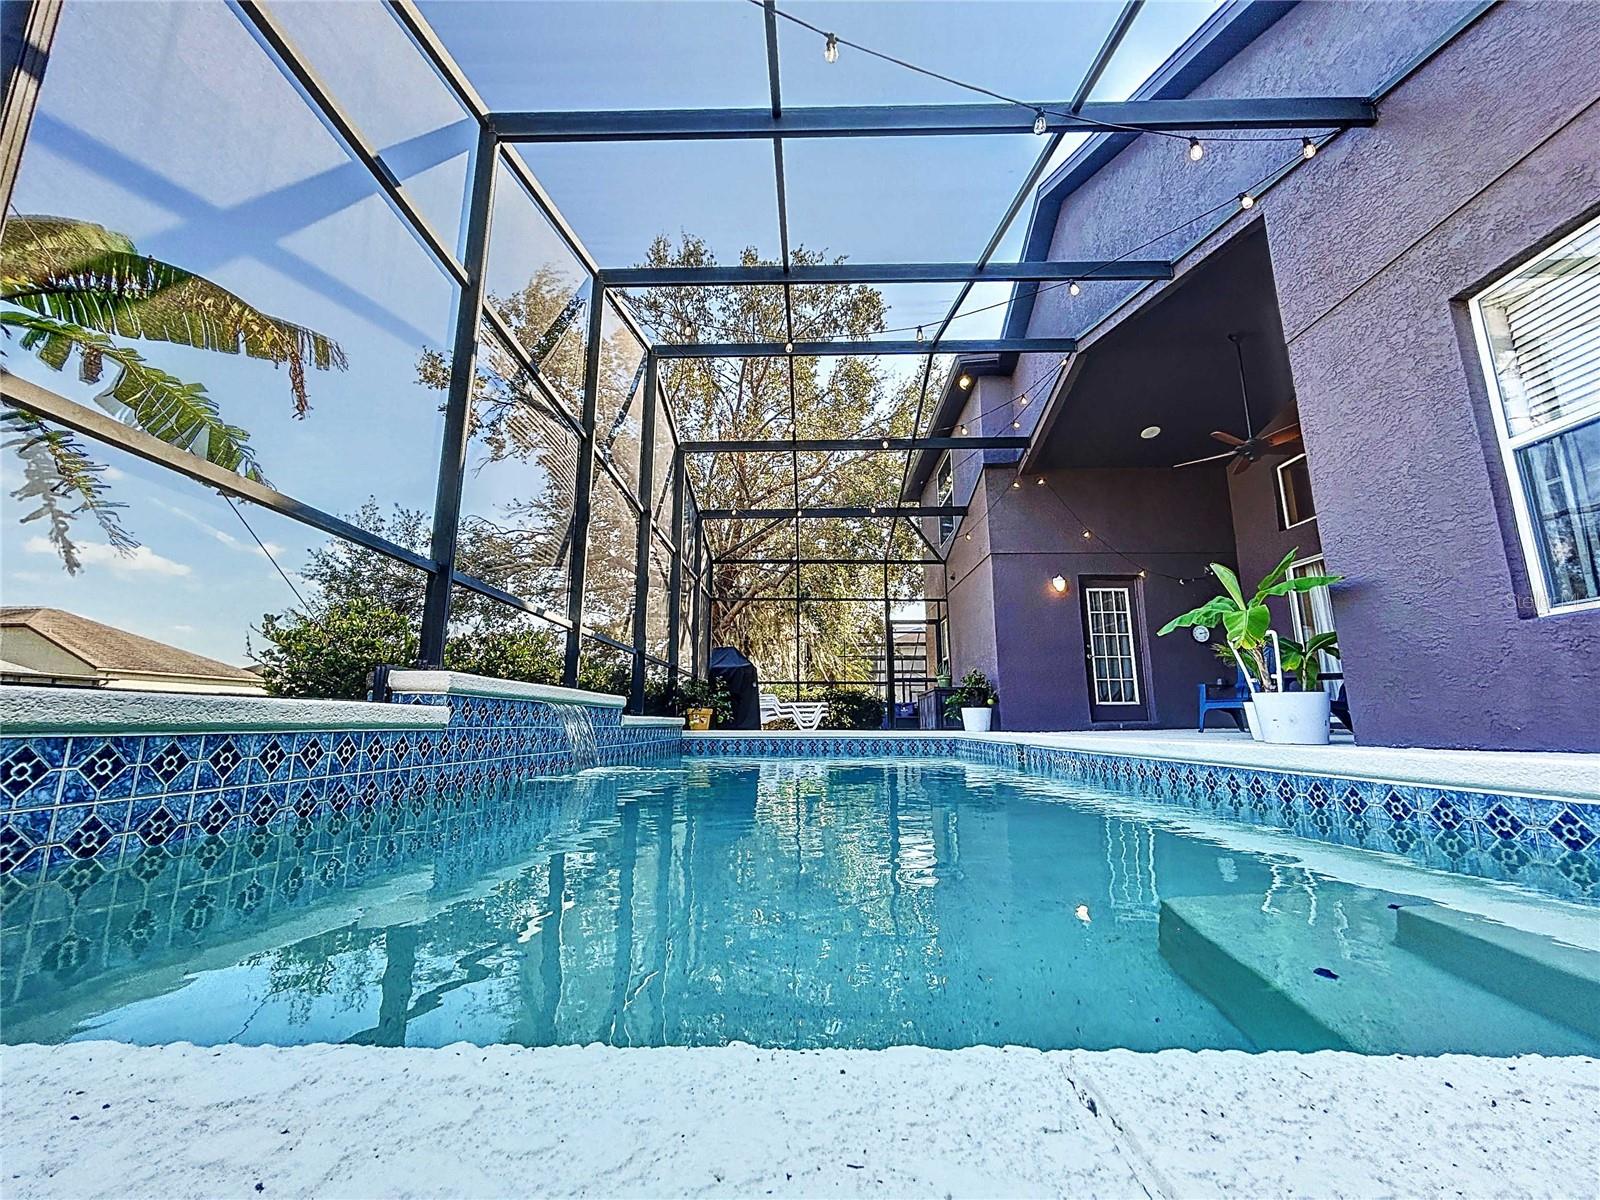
point(169, 123)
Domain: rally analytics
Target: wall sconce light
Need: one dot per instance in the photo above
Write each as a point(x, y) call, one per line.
point(1059, 583)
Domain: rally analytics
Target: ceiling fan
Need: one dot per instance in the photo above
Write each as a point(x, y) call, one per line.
point(1245, 450)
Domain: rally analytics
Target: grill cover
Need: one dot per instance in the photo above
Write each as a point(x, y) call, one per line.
point(738, 674)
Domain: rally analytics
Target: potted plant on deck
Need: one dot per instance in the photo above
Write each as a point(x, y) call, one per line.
point(1275, 713)
point(700, 702)
point(974, 699)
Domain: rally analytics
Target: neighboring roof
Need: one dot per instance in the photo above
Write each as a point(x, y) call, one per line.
point(107, 648)
point(1227, 31)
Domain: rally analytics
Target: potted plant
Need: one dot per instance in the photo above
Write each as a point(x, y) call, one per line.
point(1275, 713)
point(700, 701)
point(974, 699)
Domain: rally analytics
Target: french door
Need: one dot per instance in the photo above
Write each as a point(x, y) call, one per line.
point(1111, 646)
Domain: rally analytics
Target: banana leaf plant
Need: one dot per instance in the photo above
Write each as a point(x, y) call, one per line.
point(70, 287)
point(1246, 622)
point(1305, 660)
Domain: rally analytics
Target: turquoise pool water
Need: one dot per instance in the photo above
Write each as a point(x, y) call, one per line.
point(781, 903)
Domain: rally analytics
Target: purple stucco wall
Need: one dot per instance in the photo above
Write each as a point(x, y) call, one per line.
point(1258, 535)
point(1009, 622)
point(1489, 150)
point(1441, 645)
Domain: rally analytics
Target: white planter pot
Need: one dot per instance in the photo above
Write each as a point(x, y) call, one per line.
point(1292, 718)
point(976, 720)
point(1250, 721)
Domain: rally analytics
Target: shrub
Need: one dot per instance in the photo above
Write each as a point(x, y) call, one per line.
point(328, 657)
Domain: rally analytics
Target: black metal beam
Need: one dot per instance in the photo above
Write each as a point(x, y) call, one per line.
point(463, 374)
point(641, 557)
point(832, 562)
point(675, 572)
point(1103, 56)
point(344, 126)
point(583, 486)
point(1022, 345)
point(925, 120)
point(94, 423)
point(891, 444)
point(859, 510)
point(1086, 270)
point(25, 38)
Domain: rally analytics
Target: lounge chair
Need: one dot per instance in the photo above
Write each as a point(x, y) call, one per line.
point(806, 714)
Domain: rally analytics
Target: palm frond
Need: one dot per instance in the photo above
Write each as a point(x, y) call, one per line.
point(55, 469)
point(180, 414)
point(89, 276)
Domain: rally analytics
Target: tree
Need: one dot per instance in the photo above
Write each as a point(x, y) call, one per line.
point(750, 398)
point(72, 287)
point(328, 655)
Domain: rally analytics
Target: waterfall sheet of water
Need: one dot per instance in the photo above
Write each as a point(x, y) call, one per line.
point(577, 726)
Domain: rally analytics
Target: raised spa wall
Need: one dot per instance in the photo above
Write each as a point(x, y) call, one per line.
point(95, 774)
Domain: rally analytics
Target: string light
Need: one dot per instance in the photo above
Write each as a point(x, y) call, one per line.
point(1196, 150)
point(1073, 289)
point(1308, 149)
point(1016, 424)
point(885, 443)
point(963, 431)
point(1087, 534)
point(968, 536)
point(921, 337)
point(965, 382)
point(788, 347)
point(1016, 483)
point(830, 48)
point(1039, 480)
point(1246, 200)
point(1040, 125)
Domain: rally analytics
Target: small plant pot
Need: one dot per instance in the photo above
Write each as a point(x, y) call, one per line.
point(699, 719)
point(976, 720)
point(1292, 718)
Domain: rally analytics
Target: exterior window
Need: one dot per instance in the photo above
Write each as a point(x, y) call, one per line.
point(1538, 332)
point(1313, 614)
point(947, 493)
point(1295, 506)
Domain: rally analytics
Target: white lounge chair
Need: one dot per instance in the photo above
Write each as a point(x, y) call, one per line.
point(771, 709)
point(807, 714)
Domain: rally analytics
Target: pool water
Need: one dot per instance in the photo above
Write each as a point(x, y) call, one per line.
point(780, 903)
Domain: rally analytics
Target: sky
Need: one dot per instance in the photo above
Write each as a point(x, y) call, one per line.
point(170, 123)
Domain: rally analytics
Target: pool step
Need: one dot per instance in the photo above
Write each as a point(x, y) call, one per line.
point(1561, 982)
point(1261, 969)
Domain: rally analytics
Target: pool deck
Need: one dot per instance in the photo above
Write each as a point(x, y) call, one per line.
point(101, 1119)
point(1569, 775)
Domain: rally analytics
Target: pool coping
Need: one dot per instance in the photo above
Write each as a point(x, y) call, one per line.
point(1567, 777)
point(98, 1118)
point(31, 711)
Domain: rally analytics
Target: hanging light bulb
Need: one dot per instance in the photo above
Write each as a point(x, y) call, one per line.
point(1308, 148)
point(830, 48)
point(1246, 200)
point(1073, 289)
point(1040, 125)
point(1016, 424)
point(1016, 483)
point(788, 347)
point(1024, 403)
point(1141, 574)
point(1087, 534)
point(885, 443)
point(963, 431)
point(1039, 480)
point(1196, 150)
point(921, 337)
point(965, 381)
point(968, 536)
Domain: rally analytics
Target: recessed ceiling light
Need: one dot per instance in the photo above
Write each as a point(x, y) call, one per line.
point(1150, 431)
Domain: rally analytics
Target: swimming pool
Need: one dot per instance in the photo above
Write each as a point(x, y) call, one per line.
point(784, 903)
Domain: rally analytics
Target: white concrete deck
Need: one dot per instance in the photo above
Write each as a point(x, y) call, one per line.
point(98, 1119)
point(1571, 776)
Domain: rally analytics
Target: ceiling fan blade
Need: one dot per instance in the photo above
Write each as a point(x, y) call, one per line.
point(1227, 439)
point(1282, 437)
point(1195, 462)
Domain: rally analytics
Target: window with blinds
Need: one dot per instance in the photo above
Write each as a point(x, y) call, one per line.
point(1538, 333)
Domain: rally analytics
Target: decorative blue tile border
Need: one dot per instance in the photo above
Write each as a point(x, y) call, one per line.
point(66, 799)
point(1548, 844)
